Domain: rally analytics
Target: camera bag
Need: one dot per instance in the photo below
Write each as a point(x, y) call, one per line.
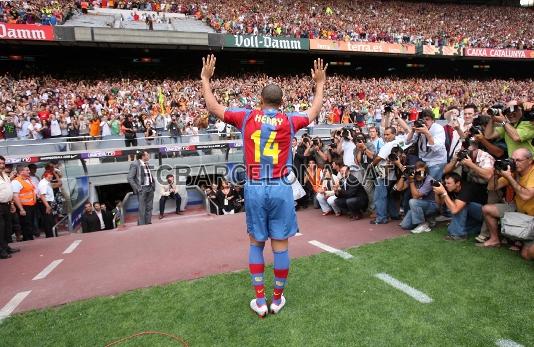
point(518, 226)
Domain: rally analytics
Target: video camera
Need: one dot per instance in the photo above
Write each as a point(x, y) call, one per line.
point(503, 164)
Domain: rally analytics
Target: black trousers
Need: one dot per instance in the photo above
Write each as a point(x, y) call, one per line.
point(47, 220)
point(354, 206)
point(27, 223)
point(163, 199)
point(5, 225)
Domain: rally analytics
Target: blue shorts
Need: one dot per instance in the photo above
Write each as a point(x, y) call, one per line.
point(270, 210)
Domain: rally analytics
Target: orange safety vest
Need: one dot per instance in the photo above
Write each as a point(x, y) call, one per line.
point(27, 193)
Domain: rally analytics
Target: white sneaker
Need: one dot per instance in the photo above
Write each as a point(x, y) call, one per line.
point(260, 311)
point(421, 228)
point(276, 308)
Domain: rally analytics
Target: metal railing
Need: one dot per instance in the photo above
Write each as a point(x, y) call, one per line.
point(63, 220)
point(123, 203)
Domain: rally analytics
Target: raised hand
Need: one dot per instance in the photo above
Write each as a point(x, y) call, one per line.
point(319, 71)
point(208, 67)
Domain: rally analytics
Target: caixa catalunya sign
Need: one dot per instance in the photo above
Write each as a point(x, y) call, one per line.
point(26, 32)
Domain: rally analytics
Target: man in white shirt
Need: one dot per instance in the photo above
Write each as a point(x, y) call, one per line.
point(100, 215)
point(45, 193)
point(345, 146)
point(430, 139)
point(384, 204)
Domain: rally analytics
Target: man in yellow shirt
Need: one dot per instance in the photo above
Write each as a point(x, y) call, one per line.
point(523, 187)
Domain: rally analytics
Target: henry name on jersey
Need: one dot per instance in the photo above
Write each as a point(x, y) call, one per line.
point(268, 120)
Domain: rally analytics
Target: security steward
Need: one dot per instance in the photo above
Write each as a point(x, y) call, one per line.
point(24, 196)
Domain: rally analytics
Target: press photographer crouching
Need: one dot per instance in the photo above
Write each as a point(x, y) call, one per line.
point(465, 203)
point(351, 197)
point(518, 173)
point(422, 204)
point(474, 165)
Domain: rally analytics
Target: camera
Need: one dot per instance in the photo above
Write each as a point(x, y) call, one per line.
point(502, 165)
point(462, 154)
point(333, 145)
point(435, 183)
point(405, 115)
point(477, 129)
point(528, 116)
point(418, 123)
point(395, 153)
point(409, 171)
point(388, 108)
point(495, 110)
point(315, 142)
point(345, 133)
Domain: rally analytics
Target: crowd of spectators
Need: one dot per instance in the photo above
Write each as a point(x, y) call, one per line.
point(374, 21)
point(40, 107)
point(46, 12)
point(361, 21)
point(471, 170)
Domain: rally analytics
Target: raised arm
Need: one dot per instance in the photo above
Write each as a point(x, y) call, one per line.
point(208, 68)
point(319, 76)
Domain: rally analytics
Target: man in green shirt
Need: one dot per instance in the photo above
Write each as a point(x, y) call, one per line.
point(507, 124)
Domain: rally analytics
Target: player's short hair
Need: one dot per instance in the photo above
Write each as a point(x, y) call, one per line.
point(272, 95)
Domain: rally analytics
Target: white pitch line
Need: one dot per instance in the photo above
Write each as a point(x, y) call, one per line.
point(330, 249)
point(403, 287)
point(72, 247)
point(47, 270)
point(507, 343)
point(12, 304)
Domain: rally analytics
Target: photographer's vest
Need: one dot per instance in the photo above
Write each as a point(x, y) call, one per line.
point(27, 193)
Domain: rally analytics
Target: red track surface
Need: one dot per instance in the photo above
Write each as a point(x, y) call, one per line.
point(172, 249)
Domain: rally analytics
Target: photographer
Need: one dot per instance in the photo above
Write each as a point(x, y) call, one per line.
point(175, 130)
point(509, 123)
point(315, 150)
point(474, 165)
point(465, 203)
point(422, 203)
point(364, 154)
point(169, 191)
point(384, 204)
point(312, 181)
point(430, 139)
point(345, 147)
point(351, 196)
point(522, 166)
point(497, 148)
point(326, 194)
